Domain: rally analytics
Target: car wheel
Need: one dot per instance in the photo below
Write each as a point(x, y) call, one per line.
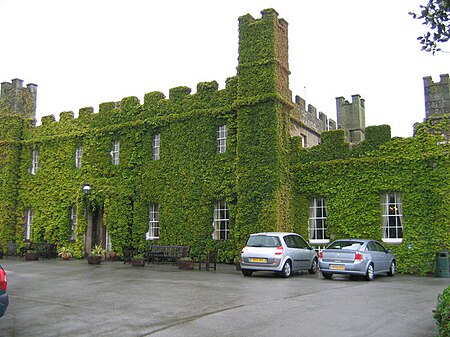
point(369, 273)
point(247, 272)
point(391, 271)
point(327, 276)
point(287, 270)
point(313, 268)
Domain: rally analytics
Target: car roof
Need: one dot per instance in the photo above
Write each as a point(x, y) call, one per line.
point(357, 240)
point(275, 233)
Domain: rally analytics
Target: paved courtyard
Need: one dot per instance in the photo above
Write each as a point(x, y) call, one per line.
point(72, 298)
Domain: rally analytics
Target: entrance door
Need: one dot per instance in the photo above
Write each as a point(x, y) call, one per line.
point(95, 231)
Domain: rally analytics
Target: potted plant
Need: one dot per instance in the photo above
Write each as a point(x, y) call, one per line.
point(97, 254)
point(65, 253)
point(31, 255)
point(138, 260)
point(186, 263)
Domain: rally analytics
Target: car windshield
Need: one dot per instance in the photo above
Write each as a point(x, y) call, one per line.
point(346, 245)
point(263, 241)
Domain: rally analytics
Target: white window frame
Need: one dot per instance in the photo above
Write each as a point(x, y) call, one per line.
point(153, 222)
point(221, 220)
point(392, 217)
point(222, 138)
point(115, 152)
point(73, 223)
point(28, 223)
point(317, 223)
point(78, 156)
point(156, 146)
point(34, 161)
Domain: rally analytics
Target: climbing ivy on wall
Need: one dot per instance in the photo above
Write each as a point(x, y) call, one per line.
point(417, 168)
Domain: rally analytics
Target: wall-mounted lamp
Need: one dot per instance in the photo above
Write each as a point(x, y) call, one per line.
point(86, 188)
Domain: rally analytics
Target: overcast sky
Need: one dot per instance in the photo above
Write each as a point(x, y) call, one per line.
point(82, 53)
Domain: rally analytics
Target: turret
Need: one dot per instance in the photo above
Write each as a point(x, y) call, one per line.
point(351, 117)
point(19, 99)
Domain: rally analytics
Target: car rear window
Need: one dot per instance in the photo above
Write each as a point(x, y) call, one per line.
point(263, 241)
point(346, 245)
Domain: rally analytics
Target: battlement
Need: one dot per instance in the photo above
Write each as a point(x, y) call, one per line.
point(155, 104)
point(437, 95)
point(20, 99)
point(351, 116)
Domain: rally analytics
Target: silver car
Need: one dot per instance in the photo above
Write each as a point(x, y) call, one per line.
point(279, 252)
point(356, 257)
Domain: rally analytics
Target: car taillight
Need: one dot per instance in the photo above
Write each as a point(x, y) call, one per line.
point(279, 250)
point(359, 257)
point(320, 255)
point(3, 283)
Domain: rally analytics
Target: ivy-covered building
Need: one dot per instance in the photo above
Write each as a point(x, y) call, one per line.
point(207, 169)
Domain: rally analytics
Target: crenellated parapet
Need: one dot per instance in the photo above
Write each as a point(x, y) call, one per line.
point(20, 99)
point(437, 95)
point(155, 104)
point(351, 117)
point(309, 124)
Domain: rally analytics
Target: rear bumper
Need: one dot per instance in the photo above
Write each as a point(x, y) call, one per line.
point(275, 266)
point(357, 268)
point(4, 301)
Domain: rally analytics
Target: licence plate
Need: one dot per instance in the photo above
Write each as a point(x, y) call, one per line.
point(257, 260)
point(337, 267)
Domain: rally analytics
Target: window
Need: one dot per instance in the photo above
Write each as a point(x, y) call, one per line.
point(78, 155)
point(34, 161)
point(28, 223)
point(115, 152)
point(73, 223)
point(156, 142)
point(221, 139)
point(221, 220)
point(153, 222)
point(392, 217)
point(304, 142)
point(317, 226)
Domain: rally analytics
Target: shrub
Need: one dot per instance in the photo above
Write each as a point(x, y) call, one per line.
point(442, 313)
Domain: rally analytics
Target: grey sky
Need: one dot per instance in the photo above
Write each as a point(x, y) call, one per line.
point(82, 53)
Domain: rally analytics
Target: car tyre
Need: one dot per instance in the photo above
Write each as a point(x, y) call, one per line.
point(247, 272)
point(392, 269)
point(327, 276)
point(287, 270)
point(314, 266)
point(369, 272)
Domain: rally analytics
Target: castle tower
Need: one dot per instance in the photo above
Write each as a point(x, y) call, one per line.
point(263, 104)
point(20, 99)
point(352, 117)
point(437, 96)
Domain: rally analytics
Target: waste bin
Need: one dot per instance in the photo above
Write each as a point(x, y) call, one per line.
point(442, 264)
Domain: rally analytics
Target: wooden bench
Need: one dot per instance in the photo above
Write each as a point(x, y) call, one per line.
point(172, 254)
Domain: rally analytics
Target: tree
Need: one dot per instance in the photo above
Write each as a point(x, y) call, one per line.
point(436, 16)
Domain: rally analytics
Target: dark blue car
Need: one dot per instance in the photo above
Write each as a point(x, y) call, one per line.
point(4, 301)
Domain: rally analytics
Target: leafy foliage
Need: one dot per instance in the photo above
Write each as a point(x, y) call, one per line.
point(435, 15)
point(442, 313)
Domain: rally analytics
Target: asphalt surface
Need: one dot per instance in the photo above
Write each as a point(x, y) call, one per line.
point(72, 298)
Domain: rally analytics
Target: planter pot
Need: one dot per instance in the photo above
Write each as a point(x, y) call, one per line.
point(186, 265)
point(31, 256)
point(94, 259)
point(65, 256)
point(138, 262)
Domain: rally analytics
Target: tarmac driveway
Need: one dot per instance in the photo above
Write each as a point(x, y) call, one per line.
point(72, 298)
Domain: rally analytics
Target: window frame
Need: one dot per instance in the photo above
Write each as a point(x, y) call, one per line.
point(153, 222)
point(34, 161)
point(28, 223)
point(73, 223)
point(221, 224)
point(221, 136)
point(391, 217)
point(115, 152)
point(156, 145)
point(78, 156)
point(316, 204)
